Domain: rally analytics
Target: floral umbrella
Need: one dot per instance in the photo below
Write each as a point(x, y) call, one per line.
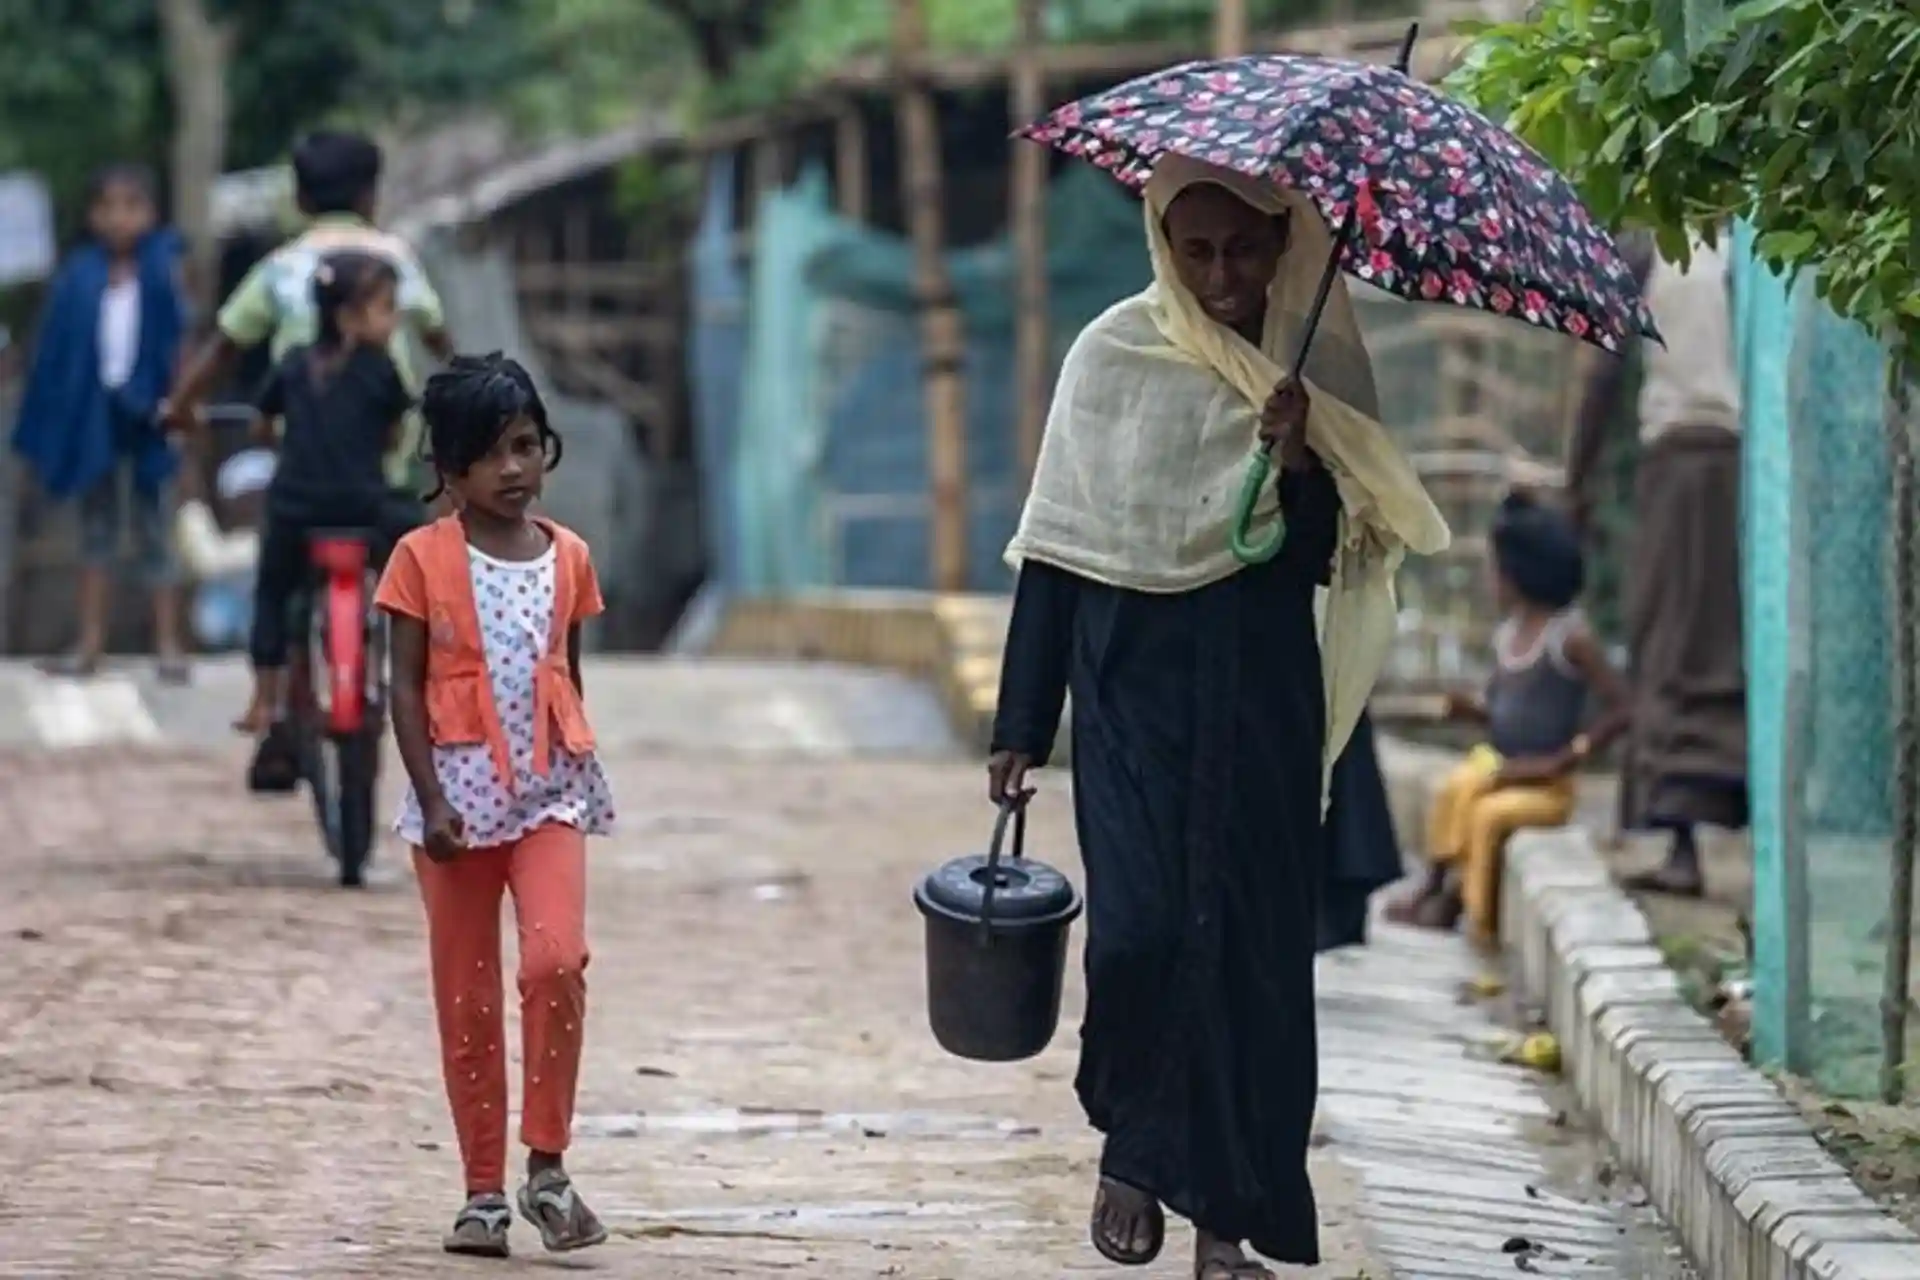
point(1427, 199)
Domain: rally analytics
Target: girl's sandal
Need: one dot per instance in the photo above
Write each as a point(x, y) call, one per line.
point(549, 1202)
point(480, 1231)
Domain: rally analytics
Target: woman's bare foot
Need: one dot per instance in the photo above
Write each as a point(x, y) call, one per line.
point(1128, 1226)
point(1217, 1259)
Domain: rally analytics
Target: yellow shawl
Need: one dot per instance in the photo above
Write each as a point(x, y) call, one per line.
point(1156, 412)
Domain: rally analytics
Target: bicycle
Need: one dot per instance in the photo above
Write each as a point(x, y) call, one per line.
point(336, 701)
point(327, 732)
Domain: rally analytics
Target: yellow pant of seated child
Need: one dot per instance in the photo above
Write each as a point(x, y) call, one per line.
point(1468, 826)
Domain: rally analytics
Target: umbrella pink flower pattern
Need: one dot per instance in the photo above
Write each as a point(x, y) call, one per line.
point(1451, 207)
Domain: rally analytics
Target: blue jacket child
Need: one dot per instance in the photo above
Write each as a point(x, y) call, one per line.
point(109, 340)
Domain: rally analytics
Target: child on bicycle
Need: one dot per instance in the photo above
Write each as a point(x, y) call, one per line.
point(341, 401)
point(486, 608)
point(336, 179)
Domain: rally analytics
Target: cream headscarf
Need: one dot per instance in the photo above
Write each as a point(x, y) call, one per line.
point(1157, 410)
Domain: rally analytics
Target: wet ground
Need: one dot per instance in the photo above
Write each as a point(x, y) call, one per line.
point(1470, 1167)
point(212, 1064)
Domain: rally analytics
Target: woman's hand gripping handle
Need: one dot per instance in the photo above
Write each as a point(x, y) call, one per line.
point(1283, 424)
point(1007, 777)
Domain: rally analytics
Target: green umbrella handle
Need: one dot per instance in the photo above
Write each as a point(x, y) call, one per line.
point(1245, 550)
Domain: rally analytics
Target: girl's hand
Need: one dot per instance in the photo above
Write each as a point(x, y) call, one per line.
point(443, 830)
point(1283, 424)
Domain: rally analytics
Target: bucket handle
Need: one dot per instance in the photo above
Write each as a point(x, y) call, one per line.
point(1010, 808)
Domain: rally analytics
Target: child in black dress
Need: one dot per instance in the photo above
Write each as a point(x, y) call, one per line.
point(341, 401)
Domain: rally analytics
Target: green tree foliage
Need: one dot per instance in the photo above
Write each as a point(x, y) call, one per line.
point(589, 64)
point(297, 62)
point(79, 84)
point(803, 40)
point(1800, 115)
point(83, 83)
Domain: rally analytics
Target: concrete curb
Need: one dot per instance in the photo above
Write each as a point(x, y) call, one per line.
point(1726, 1159)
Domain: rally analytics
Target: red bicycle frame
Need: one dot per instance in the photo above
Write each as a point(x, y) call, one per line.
point(343, 562)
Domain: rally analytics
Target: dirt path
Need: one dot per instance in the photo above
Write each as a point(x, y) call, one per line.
point(214, 1065)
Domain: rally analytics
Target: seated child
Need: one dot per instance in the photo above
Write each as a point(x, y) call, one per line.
point(1546, 662)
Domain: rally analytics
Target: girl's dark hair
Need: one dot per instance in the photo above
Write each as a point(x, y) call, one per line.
point(341, 280)
point(123, 173)
point(1537, 550)
point(469, 406)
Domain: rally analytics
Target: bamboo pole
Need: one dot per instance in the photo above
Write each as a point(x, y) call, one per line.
point(852, 169)
point(943, 340)
point(1033, 354)
point(1229, 28)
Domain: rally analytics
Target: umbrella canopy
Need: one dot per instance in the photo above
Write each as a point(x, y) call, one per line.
point(1427, 198)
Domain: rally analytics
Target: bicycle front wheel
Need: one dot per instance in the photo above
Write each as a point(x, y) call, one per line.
point(356, 772)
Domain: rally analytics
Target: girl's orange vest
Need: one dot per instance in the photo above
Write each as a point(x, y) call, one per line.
point(429, 577)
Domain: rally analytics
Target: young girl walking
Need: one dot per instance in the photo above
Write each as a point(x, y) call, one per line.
point(486, 606)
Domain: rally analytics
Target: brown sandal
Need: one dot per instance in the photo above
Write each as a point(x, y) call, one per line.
point(1115, 1246)
point(1225, 1264)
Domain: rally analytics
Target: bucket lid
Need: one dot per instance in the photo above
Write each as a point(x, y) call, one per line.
point(1026, 892)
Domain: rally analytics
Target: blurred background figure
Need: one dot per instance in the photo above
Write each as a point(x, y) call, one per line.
point(1686, 759)
point(88, 424)
point(219, 546)
point(1363, 852)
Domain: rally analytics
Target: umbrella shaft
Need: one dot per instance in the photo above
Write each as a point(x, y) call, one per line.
point(1327, 277)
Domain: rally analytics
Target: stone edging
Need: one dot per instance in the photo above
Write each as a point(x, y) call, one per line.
point(1726, 1159)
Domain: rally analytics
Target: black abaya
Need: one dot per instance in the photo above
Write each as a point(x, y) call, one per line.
point(1198, 724)
point(1363, 854)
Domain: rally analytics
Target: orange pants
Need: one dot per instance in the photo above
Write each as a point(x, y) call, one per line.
point(546, 869)
point(1470, 821)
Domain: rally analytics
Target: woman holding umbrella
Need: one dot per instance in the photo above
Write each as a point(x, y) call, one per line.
point(1219, 659)
point(1202, 723)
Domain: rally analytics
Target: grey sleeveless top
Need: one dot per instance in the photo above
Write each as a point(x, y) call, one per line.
point(1537, 699)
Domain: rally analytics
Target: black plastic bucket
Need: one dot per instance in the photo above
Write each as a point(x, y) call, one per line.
point(997, 934)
